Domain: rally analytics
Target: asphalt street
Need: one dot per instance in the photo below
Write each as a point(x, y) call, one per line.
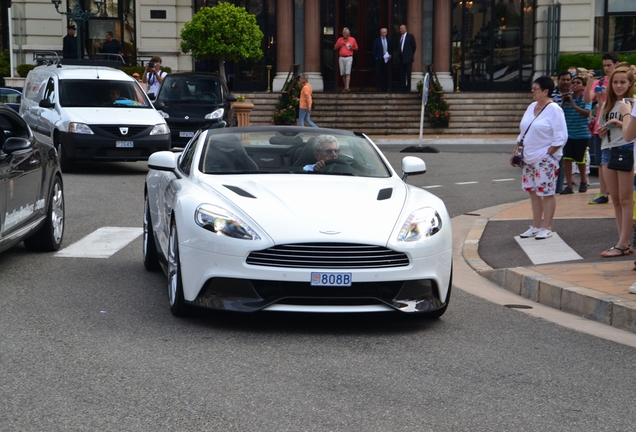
point(89, 344)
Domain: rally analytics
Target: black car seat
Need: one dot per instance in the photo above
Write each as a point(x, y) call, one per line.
point(226, 153)
point(305, 156)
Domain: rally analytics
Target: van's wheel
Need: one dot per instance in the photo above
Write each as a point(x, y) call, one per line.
point(66, 164)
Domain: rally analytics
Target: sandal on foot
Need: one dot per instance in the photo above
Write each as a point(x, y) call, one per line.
point(616, 252)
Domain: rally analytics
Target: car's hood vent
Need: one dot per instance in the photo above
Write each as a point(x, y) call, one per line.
point(385, 194)
point(242, 192)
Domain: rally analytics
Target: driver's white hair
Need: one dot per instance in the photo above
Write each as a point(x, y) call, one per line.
point(323, 139)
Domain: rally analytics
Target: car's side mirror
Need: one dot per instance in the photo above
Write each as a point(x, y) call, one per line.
point(412, 165)
point(15, 144)
point(162, 161)
point(159, 105)
point(45, 103)
point(232, 98)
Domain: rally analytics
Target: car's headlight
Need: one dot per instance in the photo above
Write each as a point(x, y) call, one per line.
point(79, 128)
point(164, 114)
point(160, 129)
point(420, 224)
point(218, 114)
point(223, 222)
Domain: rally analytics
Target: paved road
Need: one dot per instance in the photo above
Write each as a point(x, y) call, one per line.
point(89, 344)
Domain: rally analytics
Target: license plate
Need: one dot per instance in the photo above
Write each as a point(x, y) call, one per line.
point(186, 134)
point(126, 144)
point(330, 279)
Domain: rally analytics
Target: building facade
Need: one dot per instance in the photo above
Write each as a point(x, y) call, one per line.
point(478, 45)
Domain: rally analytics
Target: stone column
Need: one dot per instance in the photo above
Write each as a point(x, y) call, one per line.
point(414, 26)
point(312, 45)
point(442, 44)
point(284, 42)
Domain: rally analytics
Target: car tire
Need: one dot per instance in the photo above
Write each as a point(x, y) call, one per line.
point(439, 312)
point(66, 164)
point(178, 307)
point(151, 256)
point(49, 237)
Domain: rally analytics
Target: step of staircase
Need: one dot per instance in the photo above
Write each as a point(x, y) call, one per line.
point(399, 113)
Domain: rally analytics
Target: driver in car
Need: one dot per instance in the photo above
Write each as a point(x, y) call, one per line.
point(325, 147)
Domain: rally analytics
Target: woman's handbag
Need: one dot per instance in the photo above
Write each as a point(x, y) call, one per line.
point(621, 160)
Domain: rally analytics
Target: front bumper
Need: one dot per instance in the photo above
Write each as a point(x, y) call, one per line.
point(97, 147)
point(182, 131)
point(226, 282)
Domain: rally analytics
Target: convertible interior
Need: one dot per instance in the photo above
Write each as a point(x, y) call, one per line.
point(275, 152)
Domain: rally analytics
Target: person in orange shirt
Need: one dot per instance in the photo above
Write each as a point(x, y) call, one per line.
point(345, 45)
point(306, 101)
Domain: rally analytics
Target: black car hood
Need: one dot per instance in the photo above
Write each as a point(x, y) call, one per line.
point(191, 109)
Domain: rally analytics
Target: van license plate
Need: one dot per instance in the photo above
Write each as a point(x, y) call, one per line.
point(330, 279)
point(186, 134)
point(125, 144)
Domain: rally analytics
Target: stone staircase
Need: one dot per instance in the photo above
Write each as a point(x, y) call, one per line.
point(399, 113)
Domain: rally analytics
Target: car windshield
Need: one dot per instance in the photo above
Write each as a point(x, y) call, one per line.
point(290, 151)
point(77, 93)
point(190, 89)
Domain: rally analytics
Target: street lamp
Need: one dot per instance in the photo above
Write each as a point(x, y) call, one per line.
point(78, 14)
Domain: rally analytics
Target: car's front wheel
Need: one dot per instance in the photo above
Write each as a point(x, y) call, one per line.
point(49, 237)
point(151, 257)
point(178, 307)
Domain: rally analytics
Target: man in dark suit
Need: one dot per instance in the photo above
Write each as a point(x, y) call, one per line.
point(407, 52)
point(381, 54)
point(69, 43)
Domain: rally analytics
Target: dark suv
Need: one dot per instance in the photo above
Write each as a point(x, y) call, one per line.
point(194, 100)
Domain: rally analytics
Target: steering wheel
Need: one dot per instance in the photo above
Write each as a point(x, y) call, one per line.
point(337, 165)
point(208, 96)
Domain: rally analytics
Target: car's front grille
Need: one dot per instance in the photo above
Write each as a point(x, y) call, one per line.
point(116, 130)
point(328, 255)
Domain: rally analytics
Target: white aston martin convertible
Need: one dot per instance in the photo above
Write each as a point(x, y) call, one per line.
point(281, 218)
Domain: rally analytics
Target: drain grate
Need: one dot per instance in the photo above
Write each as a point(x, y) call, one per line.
point(518, 306)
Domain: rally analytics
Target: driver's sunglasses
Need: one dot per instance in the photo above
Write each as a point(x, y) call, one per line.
point(336, 151)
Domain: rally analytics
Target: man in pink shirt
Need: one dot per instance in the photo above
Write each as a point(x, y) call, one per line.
point(345, 46)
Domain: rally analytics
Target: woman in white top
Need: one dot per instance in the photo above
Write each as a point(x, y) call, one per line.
point(545, 134)
point(619, 183)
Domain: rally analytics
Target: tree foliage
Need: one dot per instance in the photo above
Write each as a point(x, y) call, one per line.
point(223, 32)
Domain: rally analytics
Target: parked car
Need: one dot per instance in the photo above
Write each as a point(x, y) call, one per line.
point(92, 113)
point(238, 221)
point(190, 101)
point(31, 188)
point(11, 97)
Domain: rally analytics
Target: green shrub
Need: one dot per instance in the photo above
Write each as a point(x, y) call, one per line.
point(23, 69)
point(589, 61)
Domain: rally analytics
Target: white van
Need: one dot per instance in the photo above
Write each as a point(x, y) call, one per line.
point(92, 113)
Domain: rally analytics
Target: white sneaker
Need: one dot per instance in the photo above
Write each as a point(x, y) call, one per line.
point(533, 231)
point(543, 234)
point(632, 289)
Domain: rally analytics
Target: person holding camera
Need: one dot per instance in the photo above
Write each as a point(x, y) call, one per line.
point(576, 113)
point(153, 76)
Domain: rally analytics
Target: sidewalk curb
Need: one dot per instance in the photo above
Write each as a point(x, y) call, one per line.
point(565, 296)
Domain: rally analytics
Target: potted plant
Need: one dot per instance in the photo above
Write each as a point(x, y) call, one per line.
point(286, 109)
point(437, 108)
point(222, 32)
